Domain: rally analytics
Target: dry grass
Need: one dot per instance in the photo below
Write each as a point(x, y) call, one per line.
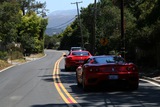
point(36, 55)
point(4, 64)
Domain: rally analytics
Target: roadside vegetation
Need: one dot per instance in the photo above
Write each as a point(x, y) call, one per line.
point(4, 64)
point(141, 30)
point(23, 25)
point(16, 59)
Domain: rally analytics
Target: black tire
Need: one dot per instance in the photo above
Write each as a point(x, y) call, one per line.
point(78, 84)
point(77, 80)
point(85, 87)
point(67, 68)
point(134, 86)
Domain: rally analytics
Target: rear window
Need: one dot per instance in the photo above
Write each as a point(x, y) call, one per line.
point(108, 59)
point(80, 53)
point(76, 48)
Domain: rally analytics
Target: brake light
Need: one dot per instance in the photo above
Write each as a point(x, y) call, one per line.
point(94, 69)
point(69, 58)
point(131, 68)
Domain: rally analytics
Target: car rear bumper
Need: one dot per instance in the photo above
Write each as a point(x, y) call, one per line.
point(106, 80)
point(74, 64)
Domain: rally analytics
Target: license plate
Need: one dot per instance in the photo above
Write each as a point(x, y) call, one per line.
point(113, 77)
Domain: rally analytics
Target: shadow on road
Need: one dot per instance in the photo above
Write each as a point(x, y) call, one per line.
point(47, 78)
point(50, 105)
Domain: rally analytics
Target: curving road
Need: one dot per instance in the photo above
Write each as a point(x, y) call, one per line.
point(31, 84)
point(45, 83)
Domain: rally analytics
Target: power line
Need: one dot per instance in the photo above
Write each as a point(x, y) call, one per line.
point(80, 24)
point(122, 29)
point(63, 24)
point(93, 37)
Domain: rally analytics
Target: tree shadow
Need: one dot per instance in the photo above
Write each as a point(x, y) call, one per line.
point(72, 70)
point(47, 78)
point(145, 95)
point(50, 105)
point(67, 76)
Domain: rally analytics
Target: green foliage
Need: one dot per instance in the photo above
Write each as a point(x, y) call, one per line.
point(68, 31)
point(16, 55)
point(72, 36)
point(9, 20)
point(146, 8)
point(31, 33)
point(3, 55)
point(51, 42)
point(21, 24)
point(66, 40)
point(146, 33)
point(29, 6)
point(141, 29)
point(141, 24)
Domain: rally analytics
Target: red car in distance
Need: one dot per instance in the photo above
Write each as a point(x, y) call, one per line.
point(75, 59)
point(108, 71)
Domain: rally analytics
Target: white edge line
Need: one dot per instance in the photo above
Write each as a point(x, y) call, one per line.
point(7, 68)
point(151, 82)
point(21, 64)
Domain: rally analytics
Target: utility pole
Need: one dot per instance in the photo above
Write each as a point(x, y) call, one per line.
point(80, 24)
point(122, 29)
point(94, 28)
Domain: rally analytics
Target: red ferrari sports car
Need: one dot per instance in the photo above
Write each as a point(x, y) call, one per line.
point(107, 70)
point(76, 58)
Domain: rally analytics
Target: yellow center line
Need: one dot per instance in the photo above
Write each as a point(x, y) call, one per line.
point(60, 87)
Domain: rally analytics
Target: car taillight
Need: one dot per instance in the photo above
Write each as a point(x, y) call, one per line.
point(131, 68)
point(69, 58)
point(94, 69)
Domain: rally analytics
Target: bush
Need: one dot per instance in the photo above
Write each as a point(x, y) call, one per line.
point(3, 55)
point(16, 55)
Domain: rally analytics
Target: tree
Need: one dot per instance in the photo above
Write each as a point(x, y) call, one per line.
point(50, 41)
point(29, 6)
point(65, 44)
point(32, 27)
point(9, 19)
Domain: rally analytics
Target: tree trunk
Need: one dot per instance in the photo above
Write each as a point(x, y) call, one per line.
point(158, 55)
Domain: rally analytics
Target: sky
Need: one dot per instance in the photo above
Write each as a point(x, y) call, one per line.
point(54, 5)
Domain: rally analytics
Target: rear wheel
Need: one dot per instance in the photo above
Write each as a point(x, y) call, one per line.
point(78, 83)
point(67, 68)
point(85, 87)
point(134, 86)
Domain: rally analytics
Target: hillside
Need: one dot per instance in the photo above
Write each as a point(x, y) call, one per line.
point(59, 20)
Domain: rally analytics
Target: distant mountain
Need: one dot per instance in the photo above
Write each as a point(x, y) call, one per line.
point(59, 20)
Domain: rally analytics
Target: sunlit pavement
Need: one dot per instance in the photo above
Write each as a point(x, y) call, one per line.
point(28, 59)
point(14, 63)
point(154, 79)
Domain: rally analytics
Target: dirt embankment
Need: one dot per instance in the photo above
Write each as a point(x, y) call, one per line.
point(4, 64)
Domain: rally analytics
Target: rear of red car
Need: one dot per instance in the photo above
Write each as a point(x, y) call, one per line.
point(75, 61)
point(76, 58)
point(125, 74)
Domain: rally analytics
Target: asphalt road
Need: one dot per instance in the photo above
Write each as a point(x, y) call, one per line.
point(45, 83)
point(31, 84)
